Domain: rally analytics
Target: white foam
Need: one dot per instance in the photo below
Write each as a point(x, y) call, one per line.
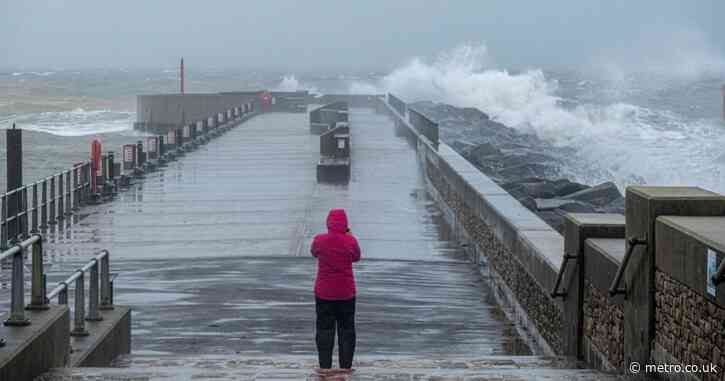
point(78, 122)
point(619, 142)
point(291, 83)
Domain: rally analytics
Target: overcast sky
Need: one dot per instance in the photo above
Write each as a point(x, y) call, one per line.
point(366, 34)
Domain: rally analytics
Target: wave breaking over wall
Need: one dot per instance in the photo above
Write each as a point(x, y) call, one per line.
point(617, 141)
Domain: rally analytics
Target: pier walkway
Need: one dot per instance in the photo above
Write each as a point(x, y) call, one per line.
point(212, 257)
point(213, 250)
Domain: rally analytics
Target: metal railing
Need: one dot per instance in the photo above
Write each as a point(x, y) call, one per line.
point(614, 288)
point(33, 207)
point(555, 293)
point(100, 297)
point(100, 287)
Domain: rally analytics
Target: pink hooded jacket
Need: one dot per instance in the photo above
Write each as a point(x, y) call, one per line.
point(335, 251)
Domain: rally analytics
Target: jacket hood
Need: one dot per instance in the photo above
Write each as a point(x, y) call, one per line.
point(337, 221)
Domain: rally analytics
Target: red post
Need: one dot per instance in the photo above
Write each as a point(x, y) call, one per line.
point(96, 153)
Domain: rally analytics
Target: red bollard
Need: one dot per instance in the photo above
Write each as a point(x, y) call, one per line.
point(96, 153)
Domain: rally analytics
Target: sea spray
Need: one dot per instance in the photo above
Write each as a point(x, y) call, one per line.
point(617, 141)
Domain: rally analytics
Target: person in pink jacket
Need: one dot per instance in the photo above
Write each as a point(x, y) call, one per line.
point(335, 291)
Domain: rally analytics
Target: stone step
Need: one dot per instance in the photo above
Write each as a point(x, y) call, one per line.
point(220, 368)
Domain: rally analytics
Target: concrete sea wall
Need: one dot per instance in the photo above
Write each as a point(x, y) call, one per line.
point(614, 290)
point(522, 252)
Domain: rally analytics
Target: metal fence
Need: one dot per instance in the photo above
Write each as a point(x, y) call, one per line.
point(424, 126)
point(30, 208)
point(100, 286)
point(397, 104)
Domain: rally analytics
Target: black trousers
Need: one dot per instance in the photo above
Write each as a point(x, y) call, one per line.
point(335, 315)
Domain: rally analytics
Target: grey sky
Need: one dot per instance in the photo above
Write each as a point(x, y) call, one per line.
point(369, 34)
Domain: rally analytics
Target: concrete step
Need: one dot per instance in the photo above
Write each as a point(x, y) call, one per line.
point(151, 367)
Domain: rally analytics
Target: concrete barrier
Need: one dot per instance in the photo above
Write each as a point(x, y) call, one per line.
point(335, 146)
point(159, 113)
point(324, 118)
point(32, 350)
point(107, 339)
point(593, 329)
point(522, 253)
point(563, 290)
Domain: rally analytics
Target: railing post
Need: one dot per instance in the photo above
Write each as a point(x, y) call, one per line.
point(68, 191)
point(37, 296)
point(111, 174)
point(106, 285)
point(24, 226)
point(63, 296)
point(51, 218)
point(93, 314)
point(79, 322)
point(61, 213)
point(4, 223)
point(44, 207)
point(34, 228)
point(110, 290)
point(17, 302)
point(86, 173)
point(45, 289)
point(76, 188)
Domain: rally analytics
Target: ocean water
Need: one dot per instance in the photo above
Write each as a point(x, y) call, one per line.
point(632, 124)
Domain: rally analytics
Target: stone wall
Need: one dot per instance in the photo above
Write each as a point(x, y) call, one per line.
point(528, 293)
point(688, 326)
point(521, 253)
point(604, 325)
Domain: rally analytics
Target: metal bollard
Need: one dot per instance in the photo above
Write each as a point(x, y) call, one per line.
point(37, 296)
point(61, 213)
point(106, 285)
point(93, 314)
point(17, 297)
point(79, 322)
point(34, 227)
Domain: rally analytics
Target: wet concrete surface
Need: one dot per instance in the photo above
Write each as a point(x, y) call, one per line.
point(296, 368)
point(213, 257)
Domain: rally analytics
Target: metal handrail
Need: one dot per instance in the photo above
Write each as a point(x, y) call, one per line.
point(614, 288)
point(555, 291)
point(96, 300)
point(100, 298)
point(17, 293)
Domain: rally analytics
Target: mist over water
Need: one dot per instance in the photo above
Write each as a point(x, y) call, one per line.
point(653, 117)
point(657, 127)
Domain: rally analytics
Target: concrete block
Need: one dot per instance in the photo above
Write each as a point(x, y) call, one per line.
point(642, 207)
point(578, 227)
point(108, 339)
point(682, 250)
point(34, 349)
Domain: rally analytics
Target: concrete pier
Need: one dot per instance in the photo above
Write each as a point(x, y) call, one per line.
point(212, 250)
